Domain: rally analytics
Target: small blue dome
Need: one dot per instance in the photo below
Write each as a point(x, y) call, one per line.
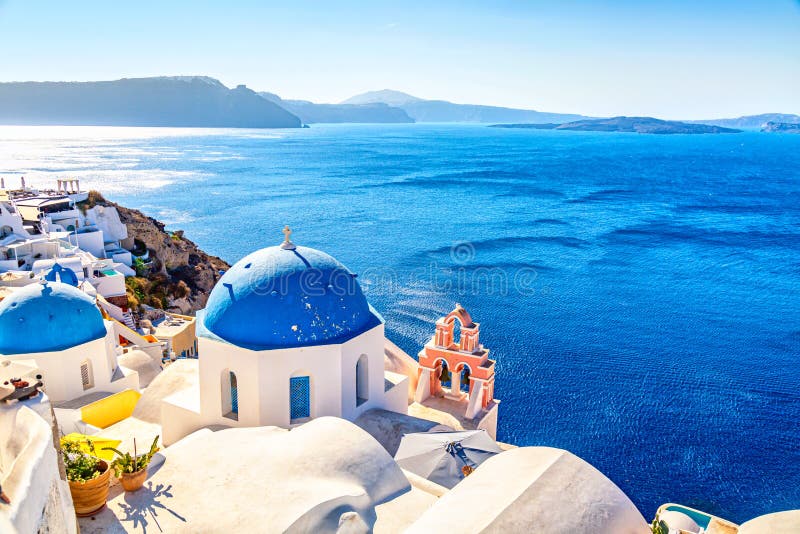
point(48, 317)
point(278, 298)
point(57, 273)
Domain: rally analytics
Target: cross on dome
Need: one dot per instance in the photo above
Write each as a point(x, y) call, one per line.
point(287, 243)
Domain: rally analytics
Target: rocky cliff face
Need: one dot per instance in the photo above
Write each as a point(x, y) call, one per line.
point(753, 121)
point(781, 127)
point(179, 276)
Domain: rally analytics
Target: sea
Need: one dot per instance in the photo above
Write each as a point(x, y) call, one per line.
point(640, 293)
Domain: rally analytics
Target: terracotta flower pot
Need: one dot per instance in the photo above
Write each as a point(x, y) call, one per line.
point(133, 481)
point(90, 497)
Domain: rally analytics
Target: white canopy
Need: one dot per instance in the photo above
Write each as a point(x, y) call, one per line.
point(442, 457)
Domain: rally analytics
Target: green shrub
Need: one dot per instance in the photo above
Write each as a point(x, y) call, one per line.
point(80, 465)
point(140, 267)
point(125, 463)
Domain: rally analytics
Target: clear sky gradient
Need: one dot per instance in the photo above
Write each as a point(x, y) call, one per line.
point(671, 59)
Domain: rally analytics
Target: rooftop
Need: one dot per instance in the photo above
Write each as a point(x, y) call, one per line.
point(171, 325)
point(448, 412)
point(39, 201)
point(313, 474)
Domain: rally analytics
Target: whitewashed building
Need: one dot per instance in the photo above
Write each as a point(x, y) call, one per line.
point(287, 336)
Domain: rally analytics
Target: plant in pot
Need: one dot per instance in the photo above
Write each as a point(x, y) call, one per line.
point(132, 470)
point(87, 476)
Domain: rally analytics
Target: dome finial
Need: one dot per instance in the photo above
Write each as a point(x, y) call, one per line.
point(287, 243)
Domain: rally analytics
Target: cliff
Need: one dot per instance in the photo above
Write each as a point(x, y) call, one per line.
point(179, 101)
point(180, 275)
point(781, 127)
point(753, 121)
point(311, 113)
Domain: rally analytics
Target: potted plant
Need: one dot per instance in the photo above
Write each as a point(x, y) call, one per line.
point(132, 470)
point(87, 476)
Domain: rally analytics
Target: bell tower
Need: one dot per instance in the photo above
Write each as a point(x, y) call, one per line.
point(457, 369)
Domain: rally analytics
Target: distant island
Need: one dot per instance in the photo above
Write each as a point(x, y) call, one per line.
point(781, 127)
point(753, 122)
point(311, 113)
point(179, 101)
point(643, 125)
point(442, 111)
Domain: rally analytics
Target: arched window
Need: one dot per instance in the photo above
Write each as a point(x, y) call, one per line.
point(230, 395)
point(465, 372)
point(234, 394)
point(87, 375)
point(457, 331)
point(362, 380)
point(444, 377)
point(299, 398)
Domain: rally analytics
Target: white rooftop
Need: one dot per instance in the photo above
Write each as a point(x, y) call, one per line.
point(240, 479)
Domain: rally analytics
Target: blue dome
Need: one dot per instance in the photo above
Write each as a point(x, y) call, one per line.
point(48, 317)
point(278, 298)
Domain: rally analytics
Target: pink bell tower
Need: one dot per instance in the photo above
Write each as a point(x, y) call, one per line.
point(463, 362)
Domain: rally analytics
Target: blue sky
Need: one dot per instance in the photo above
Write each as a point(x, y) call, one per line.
point(676, 59)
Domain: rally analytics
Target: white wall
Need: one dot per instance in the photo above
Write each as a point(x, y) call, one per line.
point(180, 415)
point(120, 256)
point(107, 219)
point(9, 265)
point(13, 220)
point(64, 218)
point(40, 500)
point(263, 384)
point(371, 344)
point(322, 364)
point(110, 286)
point(91, 242)
point(216, 357)
point(396, 398)
point(263, 381)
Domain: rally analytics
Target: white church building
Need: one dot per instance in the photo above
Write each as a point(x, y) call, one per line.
point(286, 336)
point(59, 329)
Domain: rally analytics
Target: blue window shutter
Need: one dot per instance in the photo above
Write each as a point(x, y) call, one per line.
point(234, 394)
point(300, 397)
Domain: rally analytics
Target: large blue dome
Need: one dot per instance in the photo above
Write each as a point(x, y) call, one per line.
point(48, 317)
point(277, 298)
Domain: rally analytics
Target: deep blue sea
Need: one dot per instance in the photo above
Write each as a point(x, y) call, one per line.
point(641, 294)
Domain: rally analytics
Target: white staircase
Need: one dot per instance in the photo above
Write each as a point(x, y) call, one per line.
point(127, 320)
